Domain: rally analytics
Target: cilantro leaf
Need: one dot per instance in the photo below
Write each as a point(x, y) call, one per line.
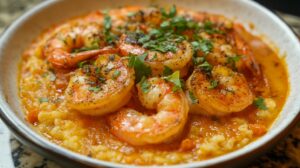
point(167, 71)
point(175, 79)
point(144, 84)
point(171, 13)
point(43, 99)
point(260, 103)
point(206, 67)
point(94, 89)
point(140, 68)
point(208, 28)
point(193, 98)
point(232, 60)
point(116, 74)
point(213, 84)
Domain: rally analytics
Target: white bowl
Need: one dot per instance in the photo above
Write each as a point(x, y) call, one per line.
point(25, 29)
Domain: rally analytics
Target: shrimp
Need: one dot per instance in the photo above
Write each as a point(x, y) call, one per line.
point(100, 88)
point(223, 92)
point(137, 128)
point(159, 60)
point(61, 52)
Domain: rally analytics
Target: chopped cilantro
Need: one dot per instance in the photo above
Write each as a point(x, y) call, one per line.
point(94, 89)
point(232, 60)
point(167, 71)
point(213, 84)
point(260, 103)
point(82, 63)
point(175, 79)
point(204, 45)
point(206, 67)
point(208, 28)
point(154, 57)
point(109, 37)
point(198, 60)
point(144, 84)
point(171, 13)
point(140, 68)
point(43, 99)
point(116, 74)
point(193, 98)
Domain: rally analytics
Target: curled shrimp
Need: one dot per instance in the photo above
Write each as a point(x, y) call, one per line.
point(158, 60)
point(61, 52)
point(223, 92)
point(137, 128)
point(100, 88)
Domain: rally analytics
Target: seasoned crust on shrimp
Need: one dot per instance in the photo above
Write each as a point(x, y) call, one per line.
point(232, 94)
point(103, 88)
point(137, 128)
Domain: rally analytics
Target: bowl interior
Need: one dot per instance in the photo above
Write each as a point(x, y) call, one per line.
point(22, 32)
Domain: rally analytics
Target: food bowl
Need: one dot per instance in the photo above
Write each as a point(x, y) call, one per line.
point(25, 29)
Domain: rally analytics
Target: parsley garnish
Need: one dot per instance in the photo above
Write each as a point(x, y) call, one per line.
point(208, 28)
point(206, 67)
point(193, 97)
point(233, 60)
point(144, 84)
point(213, 84)
point(140, 68)
point(171, 13)
point(82, 63)
point(175, 79)
point(116, 74)
point(204, 45)
point(167, 71)
point(260, 103)
point(198, 60)
point(109, 37)
point(94, 89)
point(43, 99)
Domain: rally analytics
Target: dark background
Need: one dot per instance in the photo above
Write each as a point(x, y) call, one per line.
point(287, 6)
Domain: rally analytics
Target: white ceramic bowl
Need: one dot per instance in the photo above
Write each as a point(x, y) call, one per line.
point(21, 33)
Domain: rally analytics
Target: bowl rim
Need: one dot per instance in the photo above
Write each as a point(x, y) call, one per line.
point(38, 142)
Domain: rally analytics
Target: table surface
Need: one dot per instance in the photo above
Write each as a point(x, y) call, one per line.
point(14, 154)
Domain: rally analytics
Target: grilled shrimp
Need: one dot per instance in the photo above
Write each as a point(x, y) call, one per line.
point(159, 60)
point(137, 128)
point(74, 44)
point(100, 88)
point(223, 92)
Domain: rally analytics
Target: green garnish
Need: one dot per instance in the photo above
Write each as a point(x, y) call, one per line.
point(167, 71)
point(204, 45)
point(94, 89)
point(232, 60)
point(213, 84)
point(145, 85)
point(159, 40)
point(193, 97)
point(82, 63)
point(116, 74)
point(109, 37)
point(198, 60)
point(208, 28)
point(206, 67)
point(171, 13)
point(43, 99)
point(140, 68)
point(175, 79)
point(260, 103)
